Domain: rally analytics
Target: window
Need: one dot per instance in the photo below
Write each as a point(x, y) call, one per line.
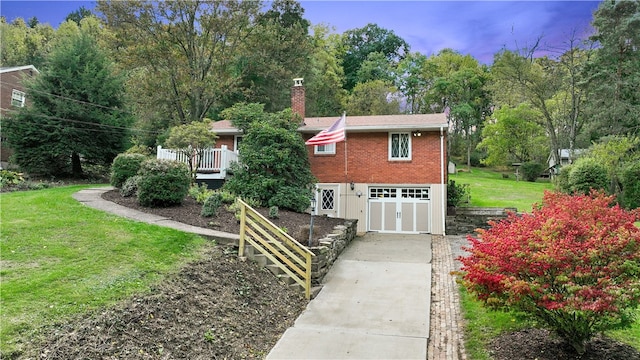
point(399, 146)
point(325, 149)
point(17, 98)
point(327, 199)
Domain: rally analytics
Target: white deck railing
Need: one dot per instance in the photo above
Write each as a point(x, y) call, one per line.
point(214, 163)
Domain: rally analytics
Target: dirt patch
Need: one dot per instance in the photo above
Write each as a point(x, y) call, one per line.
point(216, 308)
point(189, 213)
point(540, 344)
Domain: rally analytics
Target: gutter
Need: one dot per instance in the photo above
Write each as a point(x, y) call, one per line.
point(444, 186)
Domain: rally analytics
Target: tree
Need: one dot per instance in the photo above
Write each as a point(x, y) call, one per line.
point(513, 136)
point(274, 167)
point(412, 82)
point(373, 98)
point(77, 115)
point(325, 94)
point(571, 264)
point(518, 78)
point(276, 51)
point(613, 73)
point(184, 51)
point(77, 15)
point(361, 42)
point(192, 140)
point(23, 44)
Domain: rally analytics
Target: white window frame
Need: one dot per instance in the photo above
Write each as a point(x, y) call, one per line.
point(333, 199)
point(327, 149)
point(399, 158)
point(17, 98)
point(236, 145)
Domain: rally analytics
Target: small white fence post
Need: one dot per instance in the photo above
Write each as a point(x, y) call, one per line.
point(223, 161)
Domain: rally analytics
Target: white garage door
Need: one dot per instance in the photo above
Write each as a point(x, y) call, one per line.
point(399, 210)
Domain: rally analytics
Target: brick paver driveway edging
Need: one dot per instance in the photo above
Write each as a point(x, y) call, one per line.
point(446, 332)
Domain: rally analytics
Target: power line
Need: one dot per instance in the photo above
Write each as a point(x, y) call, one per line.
point(71, 99)
point(90, 123)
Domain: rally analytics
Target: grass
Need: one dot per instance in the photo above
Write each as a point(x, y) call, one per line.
point(61, 258)
point(489, 189)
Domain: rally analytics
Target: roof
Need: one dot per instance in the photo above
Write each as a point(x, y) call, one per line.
point(369, 123)
point(17, 68)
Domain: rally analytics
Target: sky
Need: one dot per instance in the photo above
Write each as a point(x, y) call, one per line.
point(478, 28)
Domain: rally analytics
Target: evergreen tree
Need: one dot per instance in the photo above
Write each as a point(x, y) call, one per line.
point(76, 115)
point(614, 71)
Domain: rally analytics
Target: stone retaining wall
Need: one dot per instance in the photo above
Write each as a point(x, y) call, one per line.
point(330, 247)
point(467, 219)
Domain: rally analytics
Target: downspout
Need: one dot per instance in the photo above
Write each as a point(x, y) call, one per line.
point(444, 186)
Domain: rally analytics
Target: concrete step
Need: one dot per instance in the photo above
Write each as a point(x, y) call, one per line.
point(275, 269)
point(286, 279)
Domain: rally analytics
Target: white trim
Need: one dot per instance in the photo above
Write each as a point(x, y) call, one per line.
point(408, 135)
point(329, 149)
point(18, 68)
point(18, 96)
point(235, 143)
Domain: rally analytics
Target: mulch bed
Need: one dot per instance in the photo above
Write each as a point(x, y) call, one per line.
point(539, 344)
point(296, 224)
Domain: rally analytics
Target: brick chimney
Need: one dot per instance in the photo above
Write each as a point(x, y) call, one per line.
point(297, 97)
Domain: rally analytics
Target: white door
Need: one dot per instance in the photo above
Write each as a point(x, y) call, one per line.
point(327, 200)
point(399, 210)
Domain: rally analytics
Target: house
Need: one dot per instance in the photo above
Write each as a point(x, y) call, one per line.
point(390, 173)
point(566, 157)
point(12, 97)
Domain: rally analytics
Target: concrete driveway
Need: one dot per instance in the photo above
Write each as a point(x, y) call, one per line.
point(375, 304)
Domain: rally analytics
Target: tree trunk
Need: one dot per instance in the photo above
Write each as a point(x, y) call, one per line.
point(76, 166)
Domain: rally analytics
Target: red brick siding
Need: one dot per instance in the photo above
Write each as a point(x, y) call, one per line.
point(9, 81)
point(298, 100)
point(368, 161)
point(225, 140)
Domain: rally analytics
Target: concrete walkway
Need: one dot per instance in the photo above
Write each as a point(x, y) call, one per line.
point(374, 304)
point(380, 299)
point(93, 198)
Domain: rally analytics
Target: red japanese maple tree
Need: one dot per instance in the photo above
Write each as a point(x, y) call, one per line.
point(573, 264)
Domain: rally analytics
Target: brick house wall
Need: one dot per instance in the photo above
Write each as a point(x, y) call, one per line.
point(10, 79)
point(367, 161)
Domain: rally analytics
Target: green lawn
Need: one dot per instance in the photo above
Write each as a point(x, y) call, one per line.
point(490, 189)
point(61, 258)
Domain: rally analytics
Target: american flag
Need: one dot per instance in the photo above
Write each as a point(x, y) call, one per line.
point(333, 134)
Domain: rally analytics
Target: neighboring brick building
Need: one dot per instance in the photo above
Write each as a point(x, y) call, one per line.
point(390, 173)
point(12, 97)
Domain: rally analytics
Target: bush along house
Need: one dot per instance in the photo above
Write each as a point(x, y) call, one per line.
point(387, 171)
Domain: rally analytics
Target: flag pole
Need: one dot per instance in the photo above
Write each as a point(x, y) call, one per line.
point(346, 159)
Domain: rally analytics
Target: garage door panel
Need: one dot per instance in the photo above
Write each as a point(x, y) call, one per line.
point(390, 216)
point(375, 216)
point(423, 219)
point(407, 220)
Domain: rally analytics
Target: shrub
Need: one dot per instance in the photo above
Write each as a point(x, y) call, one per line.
point(10, 178)
point(163, 183)
point(125, 166)
point(630, 178)
point(200, 193)
point(587, 174)
point(572, 264)
point(562, 179)
point(130, 187)
point(456, 193)
point(291, 198)
point(227, 196)
point(531, 171)
point(211, 205)
point(273, 212)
